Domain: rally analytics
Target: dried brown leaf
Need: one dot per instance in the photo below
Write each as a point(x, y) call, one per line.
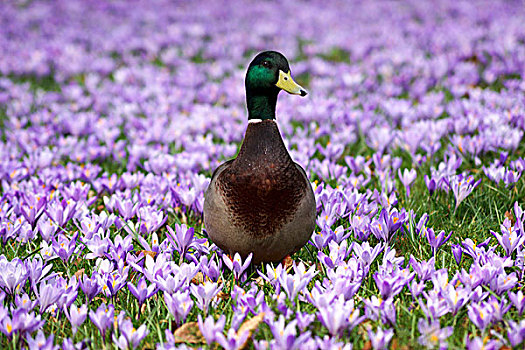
point(509, 216)
point(79, 273)
point(148, 252)
point(259, 281)
point(250, 326)
point(189, 333)
point(198, 279)
point(368, 345)
point(287, 262)
point(394, 345)
point(222, 295)
point(101, 298)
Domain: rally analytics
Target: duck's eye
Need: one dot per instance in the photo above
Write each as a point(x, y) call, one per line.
point(266, 64)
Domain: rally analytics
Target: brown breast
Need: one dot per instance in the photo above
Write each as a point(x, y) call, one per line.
point(262, 187)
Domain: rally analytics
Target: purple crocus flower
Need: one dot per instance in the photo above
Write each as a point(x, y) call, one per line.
point(516, 332)
point(431, 184)
point(379, 309)
point(436, 241)
point(41, 342)
point(109, 183)
point(103, 318)
point(205, 293)
point(48, 294)
point(462, 185)
point(390, 283)
point(181, 239)
point(433, 305)
point(339, 315)
point(416, 288)
point(457, 251)
point(511, 238)
point(232, 340)
point(63, 246)
point(423, 269)
point(503, 282)
point(456, 297)
point(511, 177)
point(88, 226)
point(249, 300)
point(119, 247)
point(407, 178)
point(130, 337)
point(179, 304)
point(24, 302)
point(499, 307)
point(47, 228)
point(285, 336)
point(211, 269)
point(440, 279)
point(473, 249)
point(432, 335)
point(293, 284)
point(113, 282)
point(150, 220)
point(337, 255)
point(70, 292)
point(22, 322)
point(61, 212)
point(154, 246)
point(485, 343)
point(366, 254)
point(6, 326)
point(272, 275)
point(170, 283)
point(38, 272)
point(33, 207)
point(142, 291)
point(236, 266)
point(304, 319)
point(13, 275)
point(518, 300)
point(520, 217)
point(210, 329)
point(360, 226)
point(320, 239)
point(480, 315)
point(67, 344)
point(98, 247)
point(380, 338)
point(388, 223)
point(127, 208)
point(77, 316)
point(90, 286)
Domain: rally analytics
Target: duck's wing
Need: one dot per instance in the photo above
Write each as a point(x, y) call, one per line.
point(220, 168)
point(217, 171)
point(302, 171)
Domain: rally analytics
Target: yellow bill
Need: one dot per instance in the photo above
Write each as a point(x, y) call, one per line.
point(286, 83)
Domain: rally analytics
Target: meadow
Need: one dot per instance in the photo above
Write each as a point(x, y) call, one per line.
point(113, 116)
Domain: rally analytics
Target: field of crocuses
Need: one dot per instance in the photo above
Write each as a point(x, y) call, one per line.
point(114, 114)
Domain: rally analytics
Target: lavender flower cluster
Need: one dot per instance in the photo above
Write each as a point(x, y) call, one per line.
point(115, 113)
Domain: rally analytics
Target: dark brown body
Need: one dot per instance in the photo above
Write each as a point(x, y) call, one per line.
point(261, 202)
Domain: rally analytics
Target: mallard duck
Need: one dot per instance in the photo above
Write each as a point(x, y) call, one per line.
point(262, 201)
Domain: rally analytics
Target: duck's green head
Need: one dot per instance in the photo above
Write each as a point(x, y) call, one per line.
point(267, 75)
